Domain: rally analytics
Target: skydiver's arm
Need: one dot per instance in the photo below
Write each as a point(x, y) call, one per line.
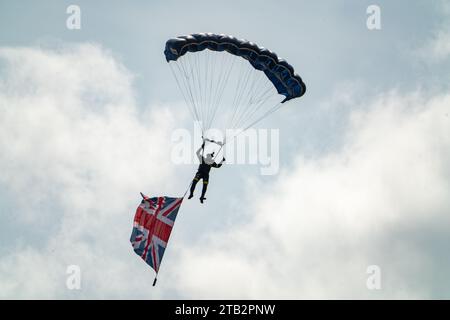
point(199, 152)
point(218, 165)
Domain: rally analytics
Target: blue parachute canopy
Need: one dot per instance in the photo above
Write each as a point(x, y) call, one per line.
point(278, 71)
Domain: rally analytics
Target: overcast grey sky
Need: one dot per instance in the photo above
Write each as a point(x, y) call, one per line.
point(86, 118)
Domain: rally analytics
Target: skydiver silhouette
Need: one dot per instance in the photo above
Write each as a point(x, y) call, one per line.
point(206, 163)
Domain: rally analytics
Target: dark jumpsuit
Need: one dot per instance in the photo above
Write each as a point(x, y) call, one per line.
point(203, 173)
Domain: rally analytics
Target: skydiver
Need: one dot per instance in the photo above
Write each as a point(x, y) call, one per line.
point(206, 163)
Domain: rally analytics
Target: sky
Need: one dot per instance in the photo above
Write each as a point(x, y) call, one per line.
point(86, 123)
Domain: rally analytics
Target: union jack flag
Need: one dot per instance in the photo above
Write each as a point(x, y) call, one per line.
point(152, 225)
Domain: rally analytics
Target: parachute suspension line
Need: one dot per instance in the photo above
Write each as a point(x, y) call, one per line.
point(239, 104)
point(191, 90)
point(213, 73)
point(197, 89)
point(188, 91)
point(207, 88)
point(217, 82)
point(189, 186)
point(182, 92)
point(256, 96)
point(240, 91)
point(209, 83)
point(237, 91)
point(190, 78)
point(185, 92)
point(218, 101)
point(263, 87)
point(202, 73)
point(185, 77)
point(204, 77)
point(248, 100)
point(218, 87)
point(217, 153)
point(265, 115)
point(248, 85)
point(246, 97)
point(254, 87)
point(211, 95)
point(254, 106)
point(199, 86)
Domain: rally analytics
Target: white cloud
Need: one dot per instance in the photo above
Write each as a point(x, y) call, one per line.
point(382, 199)
point(437, 48)
point(75, 152)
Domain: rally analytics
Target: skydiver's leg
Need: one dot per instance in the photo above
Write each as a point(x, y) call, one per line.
point(205, 186)
point(193, 184)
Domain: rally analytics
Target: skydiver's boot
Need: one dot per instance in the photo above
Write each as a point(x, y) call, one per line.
point(205, 186)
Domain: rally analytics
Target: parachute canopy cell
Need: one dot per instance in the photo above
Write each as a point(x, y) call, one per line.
point(278, 71)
